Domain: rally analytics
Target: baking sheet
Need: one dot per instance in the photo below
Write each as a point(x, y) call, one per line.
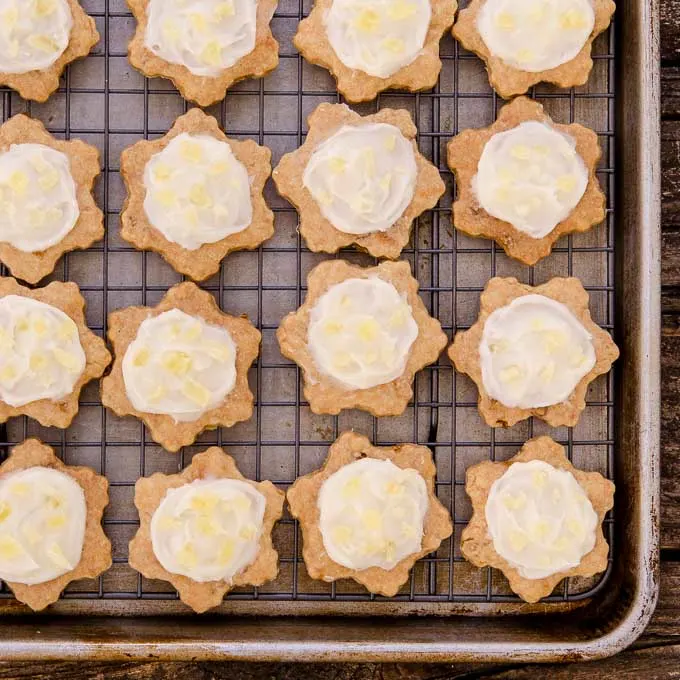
point(107, 103)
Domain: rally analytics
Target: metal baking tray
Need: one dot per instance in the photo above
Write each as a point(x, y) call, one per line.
point(449, 610)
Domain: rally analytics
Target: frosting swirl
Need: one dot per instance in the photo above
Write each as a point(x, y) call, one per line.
point(540, 519)
point(361, 332)
point(372, 514)
point(363, 177)
point(42, 525)
point(179, 365)
point(208, 530)
point(530, 176)
point(535, 35)
point(378, 37)
point(534, 352)
point(205, 36)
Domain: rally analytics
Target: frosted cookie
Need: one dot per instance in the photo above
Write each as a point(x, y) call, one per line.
point(525, 181)
point(537, 518)
point(50, 524)
point(47, 352)
point(358, 180)
point(195, 195)
point(375, 45)
point(181, 367)
point(360, 337)
point(203, 46)
point(525, 42)
point(46, 202)
point(369, 513)
point(533, 352)
point(38, 39)
point(206, 530)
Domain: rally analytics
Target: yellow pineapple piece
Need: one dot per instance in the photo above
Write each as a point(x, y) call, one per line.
point(5, 510)
point(206, 526)
point(575, 528)
point(540, 530)
point(226, 552)
point(157, 394)
point(49, 180)
point(554, 340)
point(525, 55)
point(212, 54)
point(204, 502)
point(572, 19)
point(510, 374)
point(142, 357)
point(390, 143)
point(43, 43)
point(200, 197)
point(367, 21)
point(166, 197)
point(176, 362)
point(337, 165)
point(56, 554)
point(394, 45)
point(514, 502)
point(8, 373)
point(394, 488)
point(342, 534)
point(539, 478)
point(332, 327)
point(187, 556)
point(520, 152)
point(241, 503)
point(505, 21)
point(224, 10)
point(10, 548)
point(548, 372)
point(368, 330)
point(10, 17)
point(18, 182)
point(518, 541)
point(56, 521)
point(248, 533)
point(68, 361)
point(38, 361)
point(43, 8)
point(372, 520)
point(352, 488)
point(218, 168)
point(400, 10)
point(566, 183)
point(162, 172)
point(191, 151)
point(198, 22)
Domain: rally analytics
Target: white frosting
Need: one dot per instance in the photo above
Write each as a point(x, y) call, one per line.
point(540, 519)
point(379, 37)
point(179, 365)
point(42, 525)
point(534, 352)
point(197, 192)
point(536, 35)
point(33, 34)
point(361, 331)
point(363, 177)
point(530, 176)
point(208, 530)
point(38, 202)
point(40, 352)
point(372, 514)
point(205, 36)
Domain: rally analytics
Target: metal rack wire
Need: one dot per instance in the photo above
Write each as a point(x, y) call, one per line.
point(105, 102)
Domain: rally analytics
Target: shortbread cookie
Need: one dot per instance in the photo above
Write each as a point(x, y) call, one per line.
point(46, 202)
point(369, 513)
point(203, 47)
point(537, 518)
point(533, 352)
point(38, 39)
point(48, 352)
point(194, 195)
point(375, 45)
point(523, 42)
point(525, 181)
point(360, 337)
point(206, 530)
point(181, 367)
point(50, 524)
point(358, 180)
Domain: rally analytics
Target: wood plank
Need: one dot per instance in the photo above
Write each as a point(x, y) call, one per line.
point(670, 30)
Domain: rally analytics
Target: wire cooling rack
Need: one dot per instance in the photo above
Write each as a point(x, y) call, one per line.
point(104, 101)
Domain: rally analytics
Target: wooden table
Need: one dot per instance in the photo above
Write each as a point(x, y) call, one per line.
point(657, 653)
